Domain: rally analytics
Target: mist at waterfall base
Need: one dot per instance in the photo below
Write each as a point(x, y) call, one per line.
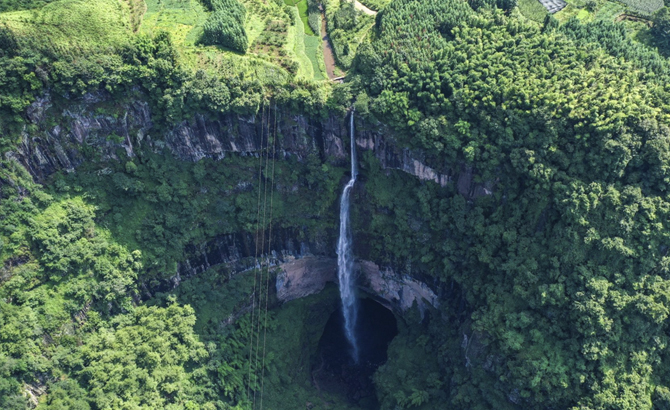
point(345, 258)
point(333, 369)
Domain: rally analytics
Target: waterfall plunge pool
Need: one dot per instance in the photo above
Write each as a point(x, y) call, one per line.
point(333, 369)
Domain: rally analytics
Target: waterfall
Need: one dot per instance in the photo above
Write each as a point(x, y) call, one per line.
point(345, 257)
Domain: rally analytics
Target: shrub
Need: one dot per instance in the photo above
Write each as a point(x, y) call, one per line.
point(314, 20)
point(661, 27)
point(644, 7)
point(225, 26)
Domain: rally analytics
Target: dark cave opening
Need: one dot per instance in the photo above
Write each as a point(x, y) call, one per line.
point(333, 369)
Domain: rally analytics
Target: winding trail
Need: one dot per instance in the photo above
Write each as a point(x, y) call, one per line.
point(359, 6)
point(625, 16)
point(328, 55)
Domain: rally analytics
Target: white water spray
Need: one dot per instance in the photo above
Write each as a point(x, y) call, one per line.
point(345, 257)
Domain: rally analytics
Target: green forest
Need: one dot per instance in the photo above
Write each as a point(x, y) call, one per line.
point(165, 163)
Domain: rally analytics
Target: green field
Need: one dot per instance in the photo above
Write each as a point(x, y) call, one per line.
point(533, 10)
point(181, 18)
point(603, 11)
point(72, 26)
point(375, 4)
point(315, 54)
point(296, 46)
point(645, 7)
point(302, 9)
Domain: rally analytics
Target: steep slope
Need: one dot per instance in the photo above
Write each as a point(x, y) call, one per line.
point(516, 177)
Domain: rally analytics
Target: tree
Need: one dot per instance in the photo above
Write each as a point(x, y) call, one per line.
point(225, 26)
point(661, 28)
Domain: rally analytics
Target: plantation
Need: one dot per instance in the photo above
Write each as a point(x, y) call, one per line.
point(72, 26)
point(644, 7)
point(13, 5)
point(533, 10)
point(225, 26)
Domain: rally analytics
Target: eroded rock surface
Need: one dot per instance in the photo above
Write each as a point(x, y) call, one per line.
point(401, 291)
point(97, 122)
point(306, 276)
point(303, 277)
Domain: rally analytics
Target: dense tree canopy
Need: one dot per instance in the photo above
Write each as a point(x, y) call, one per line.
point(550, 251)
point(225, 26)
point(565, 265)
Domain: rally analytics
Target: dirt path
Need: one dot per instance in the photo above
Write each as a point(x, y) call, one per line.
point(361, 7)
point(328, 56)
point(633, 18)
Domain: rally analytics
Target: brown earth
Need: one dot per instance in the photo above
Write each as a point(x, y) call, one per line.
point(328, 56)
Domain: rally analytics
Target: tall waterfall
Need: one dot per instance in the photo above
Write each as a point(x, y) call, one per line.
point(345, 257)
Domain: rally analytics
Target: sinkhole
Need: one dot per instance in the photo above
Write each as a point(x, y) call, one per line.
point(333, 369)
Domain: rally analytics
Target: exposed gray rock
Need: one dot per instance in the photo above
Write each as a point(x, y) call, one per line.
point(82, 123)
point(392, 157)
point(303, 277)
point(401, 291)
point(34, 391)
point(238, 252)
point(306, 276)
point(61, 135)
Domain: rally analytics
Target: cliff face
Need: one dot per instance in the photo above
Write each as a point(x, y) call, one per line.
point(61, 134)
point(304, 268)
point(58, 136)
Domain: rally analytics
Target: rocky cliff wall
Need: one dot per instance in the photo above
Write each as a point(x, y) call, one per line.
point(60, 134)
point(304, 268)
point(302, 277)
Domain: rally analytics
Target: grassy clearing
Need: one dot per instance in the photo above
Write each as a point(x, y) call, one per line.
point(533, 10)
point(296, 46)
point(568, 12)
point(315, 54)
point(304, 15)
point(16, 5)
point(183, 19)
point(73, 26)
point(603, 11)
point(644, 7)
point(254, 26)
point(610, 11)
point(376, 5)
